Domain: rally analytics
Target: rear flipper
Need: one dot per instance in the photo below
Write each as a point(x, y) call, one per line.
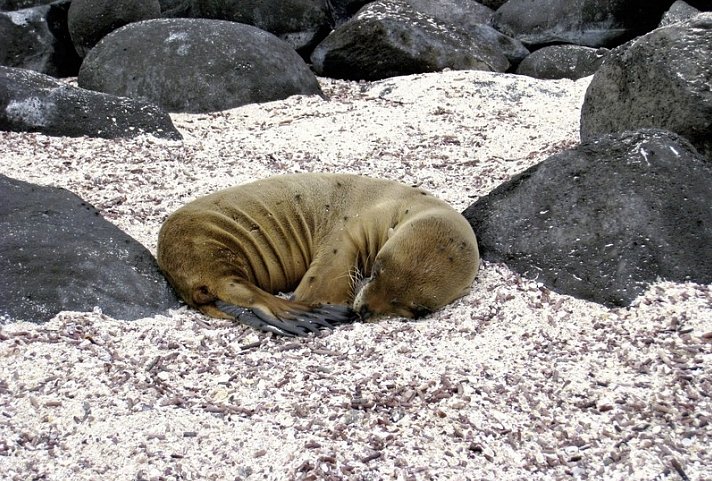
point(296, 325)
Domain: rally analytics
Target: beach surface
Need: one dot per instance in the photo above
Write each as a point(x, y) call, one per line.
point(510, 382)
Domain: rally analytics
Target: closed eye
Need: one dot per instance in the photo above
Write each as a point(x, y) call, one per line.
point(376, 269)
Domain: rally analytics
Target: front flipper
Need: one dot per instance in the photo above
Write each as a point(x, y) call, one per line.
point(296, 325)
point(258, 320)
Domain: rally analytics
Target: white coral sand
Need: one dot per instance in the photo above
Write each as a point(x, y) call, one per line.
point(511, 382)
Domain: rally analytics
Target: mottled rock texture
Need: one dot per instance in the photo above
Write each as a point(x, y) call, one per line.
point(389, 38)
point(593, 23)
point(33, 102)
point(38, 39)
point(605, 219)
point(92, 20)
point(563, 61)
point(661, 80)
point(58, 254)
point(196, 65)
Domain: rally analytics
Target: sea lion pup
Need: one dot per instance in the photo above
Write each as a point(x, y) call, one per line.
point(340, 242)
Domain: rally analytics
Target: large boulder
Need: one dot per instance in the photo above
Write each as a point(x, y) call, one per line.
point(301, 23)
point(593, 23)
point(513, 49)
point(92, 20)
point(176, 8)
point(678, 12)
point(388, 38)
point(196, 65)
point(33, 102)
point(660, 80)
point(474, 19)
point(38, 39)
point(563, 61)
point(463, 13)
point(603, 220)
point(57, 253)
point(10, 5)
point(342, 10)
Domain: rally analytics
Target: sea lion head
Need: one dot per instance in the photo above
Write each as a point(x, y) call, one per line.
point(426, 262)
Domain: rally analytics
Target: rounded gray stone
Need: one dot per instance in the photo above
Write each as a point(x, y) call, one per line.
point(58, 254)
point(563, 61)
point(196, 65)
point(660, 80)
point(91, 20)
point(605, 219)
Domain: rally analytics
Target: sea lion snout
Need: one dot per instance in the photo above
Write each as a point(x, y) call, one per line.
point(375, 299)
point(370, 303)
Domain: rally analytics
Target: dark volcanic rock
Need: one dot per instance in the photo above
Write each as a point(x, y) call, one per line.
point(176, 8)
point(473, 18)
point(388, 38)
point(563, 61)
point(65, 57)
point(593, 23)
point(33, 102)
point(91, 20)
point(605, 219)
point(660, 80)
point(463, 13)
point(300, 23)
point(493, 4)
point(678, 12)
point(513, 49)
point(38, 39)
point(10, 5)
point(342, 10)
point(196, 65)
point(57, 253)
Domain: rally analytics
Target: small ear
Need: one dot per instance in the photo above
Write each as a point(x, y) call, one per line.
point(391, 231)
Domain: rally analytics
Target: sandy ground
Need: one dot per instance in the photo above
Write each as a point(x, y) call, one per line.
point(511, 382)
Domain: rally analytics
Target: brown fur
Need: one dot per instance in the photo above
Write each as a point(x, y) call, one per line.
point(318, 235)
